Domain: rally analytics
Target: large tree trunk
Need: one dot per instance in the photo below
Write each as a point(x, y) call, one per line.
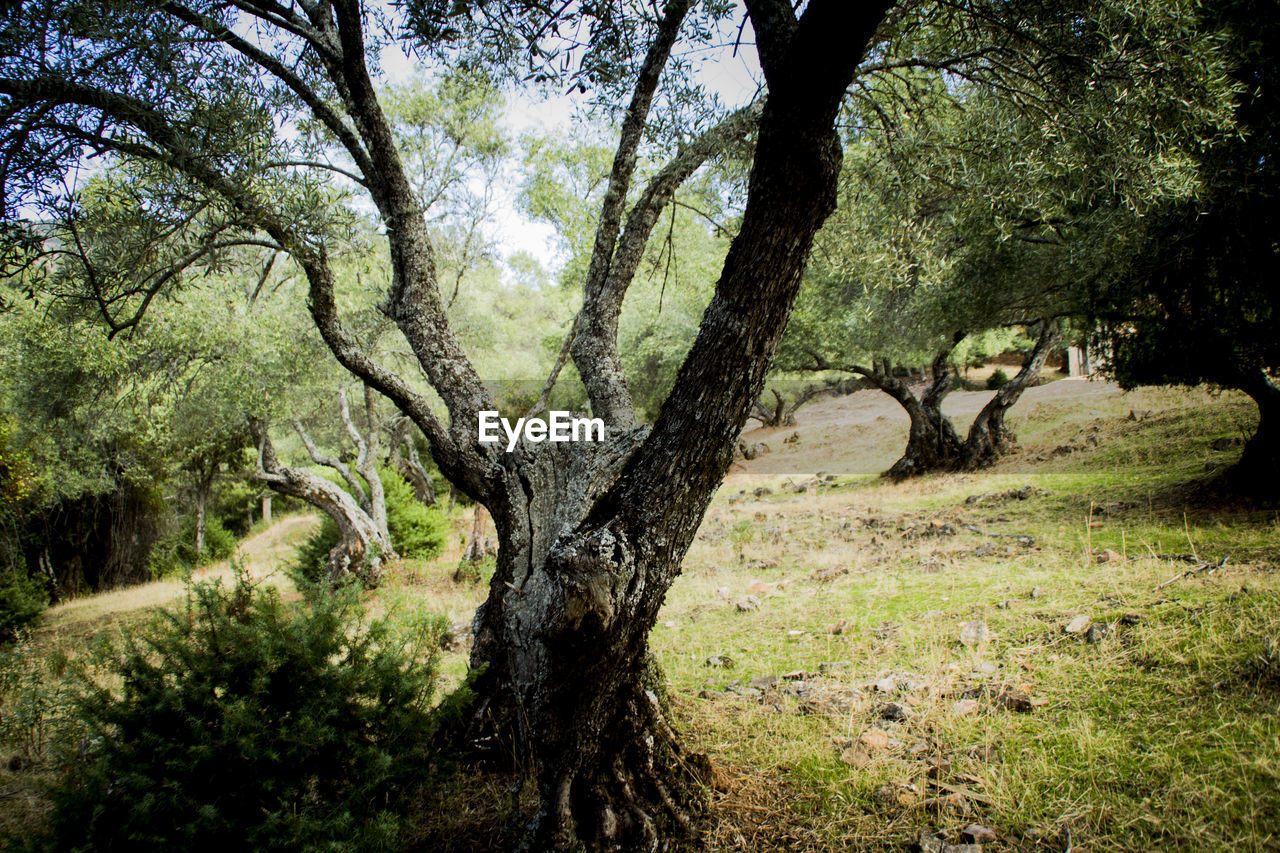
point(592, 536)
point(362, 547)
point(989, 437)
point(1258, 471)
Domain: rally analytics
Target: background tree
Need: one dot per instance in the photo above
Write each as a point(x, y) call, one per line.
point(1193, 304)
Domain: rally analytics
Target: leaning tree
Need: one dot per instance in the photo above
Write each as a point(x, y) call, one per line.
point(252, 106)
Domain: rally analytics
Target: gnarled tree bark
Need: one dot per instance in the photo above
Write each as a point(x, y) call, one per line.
point(989, 437)
point(362, 548)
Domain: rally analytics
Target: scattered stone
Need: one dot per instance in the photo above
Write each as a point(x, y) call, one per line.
point(1226, 443)
point(707, 694)
point(764, 682)
point(795, 675)
point(830, 666)
point(984, 550)
point(985, 753)
point(794, 438)
point(825, 575)
point(719, 662)
point(748, 604)
point(978, 834)
point(1016, 700)
point(965, 707)
point(962, 848)
point(975, 633)
point(838, 628)
point(895, 712)
point(855, 757)
point(1097, 632)
point(885, 794)
point(1036, 592)
point(758, 588)
point(930, 842)
point(874, 738)
point(888, 684)
point(762, 491)
point(1131, 619)
point(1078, 625)
point(745, 692)
point(986, 667)
point(724, 592)
point(1107, 555)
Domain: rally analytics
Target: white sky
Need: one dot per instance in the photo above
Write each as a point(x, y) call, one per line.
point(734, 78)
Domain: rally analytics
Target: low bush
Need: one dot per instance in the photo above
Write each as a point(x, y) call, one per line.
point(997, 380)
point(240, 724)
point(22, 599)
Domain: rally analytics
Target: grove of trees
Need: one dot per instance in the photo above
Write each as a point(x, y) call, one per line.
point(237, 254)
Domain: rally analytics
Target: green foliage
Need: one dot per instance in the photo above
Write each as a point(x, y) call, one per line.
point(417, 531)
point(997, 380)
point(22, 599)
point(242, 725)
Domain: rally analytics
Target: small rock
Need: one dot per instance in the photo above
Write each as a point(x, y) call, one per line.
point(1078, 625)
point(719, 662)
point(838, 628)
point(670, 623)
point(748, 604)
point(1016, 700)
point(962, 848)
point(975, 633)
point(795, 675)
point(724, 592)
point(888, 684)
point(1036, 592)
point(829, 666)
point(875, 738)
point(744, 692)
point(929, 843)
point(708, 694)
point(1097, 632)
point(964, 707)
point(1108, 556)
point(1131, 619)
point(1226, 443)
point(984, 550)
point(855, 757)
point(758, 588)
point(825, 575)
point(894, 712)
point(986, 667)
point(764, 682)
point(977, 833)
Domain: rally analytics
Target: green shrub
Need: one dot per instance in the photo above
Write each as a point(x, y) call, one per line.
point(242, 725)
point(997, 380)
point(22, 599)
point(417, 531)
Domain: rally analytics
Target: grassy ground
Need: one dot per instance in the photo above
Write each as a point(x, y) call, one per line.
point(900, 662)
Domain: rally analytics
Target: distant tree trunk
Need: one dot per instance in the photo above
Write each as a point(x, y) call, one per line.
point(1258, 471)
point(932, 442)
point(477, 548)
point(989, 437)
point(362, 548)
point(405, 459)
point(202, 502)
